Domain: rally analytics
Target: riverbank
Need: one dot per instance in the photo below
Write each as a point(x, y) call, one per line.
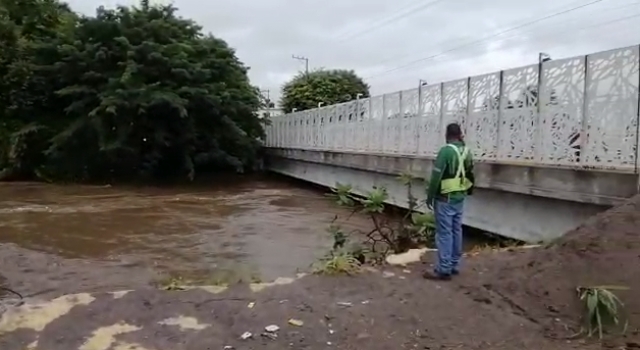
point(378, 310)
point(513, 298)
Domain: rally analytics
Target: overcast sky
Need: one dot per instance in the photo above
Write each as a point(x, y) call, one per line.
point(374, 37)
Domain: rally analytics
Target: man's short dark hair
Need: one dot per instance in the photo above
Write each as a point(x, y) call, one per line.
point(453, 131)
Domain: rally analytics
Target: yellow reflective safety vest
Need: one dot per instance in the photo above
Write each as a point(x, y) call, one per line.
point(459, 182)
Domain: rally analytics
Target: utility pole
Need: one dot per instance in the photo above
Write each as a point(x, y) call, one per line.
point(266, 91)
point(306, 63)
point(267, 97)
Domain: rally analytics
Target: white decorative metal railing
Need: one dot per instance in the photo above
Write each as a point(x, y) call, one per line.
point(586, 115)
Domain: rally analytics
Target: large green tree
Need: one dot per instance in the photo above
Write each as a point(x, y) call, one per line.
point(305, 91)
point(134, 92)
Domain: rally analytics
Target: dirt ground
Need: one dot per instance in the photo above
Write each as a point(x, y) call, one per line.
point(391, 309)
point(520, 299)
point(402, 311)
point(604, 251)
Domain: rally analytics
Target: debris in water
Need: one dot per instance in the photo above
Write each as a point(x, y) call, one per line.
point(246, 335)
point(345, 303)
point(251, 305)
point(294, 322)
point(272, 328)
point(269, 335)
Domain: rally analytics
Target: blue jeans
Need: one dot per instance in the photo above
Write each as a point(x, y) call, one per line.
point(448, 235)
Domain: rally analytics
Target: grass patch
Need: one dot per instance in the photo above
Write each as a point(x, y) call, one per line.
point(338, 262)
point(602, 308)
point(219, 277)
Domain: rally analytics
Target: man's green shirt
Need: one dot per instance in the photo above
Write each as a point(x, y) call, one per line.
point(445, 167)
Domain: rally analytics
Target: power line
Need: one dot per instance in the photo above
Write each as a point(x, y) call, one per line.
point(373, 22)
point(597, 25)
point(487, 38)
point(435, 47)
point(389, 20)
point(601, 24)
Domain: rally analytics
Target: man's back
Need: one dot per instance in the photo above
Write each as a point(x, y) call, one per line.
point(446, 166)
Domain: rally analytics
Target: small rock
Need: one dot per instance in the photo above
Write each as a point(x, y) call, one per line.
point(331, 331)
point(246, 335)
point(387, 274)
point(251, 305)
point(344, 303)
point(272, 328)
point(297, 323)
point(365, 302)
point(228, 347)
point(361, 336)
point(269, 335)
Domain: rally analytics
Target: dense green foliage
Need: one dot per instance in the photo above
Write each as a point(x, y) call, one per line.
point(305, 91)
point(130, 93)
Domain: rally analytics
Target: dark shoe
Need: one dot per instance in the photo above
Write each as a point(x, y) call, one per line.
point(455, 272)
point(435, 276)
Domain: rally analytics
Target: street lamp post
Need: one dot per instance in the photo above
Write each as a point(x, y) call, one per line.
point(543, 57)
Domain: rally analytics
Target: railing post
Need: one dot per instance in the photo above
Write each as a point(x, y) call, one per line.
point(383, 124)
point(370, 124)
point(400, 123)
point(584, 124)
point(538, 152)
point(441, 121)
point(467, 120)
point(344, 126)
point(638, 131)
point(357, 121)
point(419, 117)
point(500, 109)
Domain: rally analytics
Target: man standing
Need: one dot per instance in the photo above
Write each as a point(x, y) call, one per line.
point(450, 183)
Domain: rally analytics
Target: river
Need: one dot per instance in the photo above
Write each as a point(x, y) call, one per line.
point(64, 238)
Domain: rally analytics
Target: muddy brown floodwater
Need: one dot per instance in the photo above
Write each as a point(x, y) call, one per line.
point(64, 238)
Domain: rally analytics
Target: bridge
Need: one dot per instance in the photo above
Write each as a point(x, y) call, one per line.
point(554, 143)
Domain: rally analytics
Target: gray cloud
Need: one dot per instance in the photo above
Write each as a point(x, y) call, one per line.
point(266, 34)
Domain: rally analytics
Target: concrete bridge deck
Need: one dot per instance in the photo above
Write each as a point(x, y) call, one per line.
point(554, 142)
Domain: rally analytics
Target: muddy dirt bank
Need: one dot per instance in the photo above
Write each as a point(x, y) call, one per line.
point(604, 251)
point(394, 309)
